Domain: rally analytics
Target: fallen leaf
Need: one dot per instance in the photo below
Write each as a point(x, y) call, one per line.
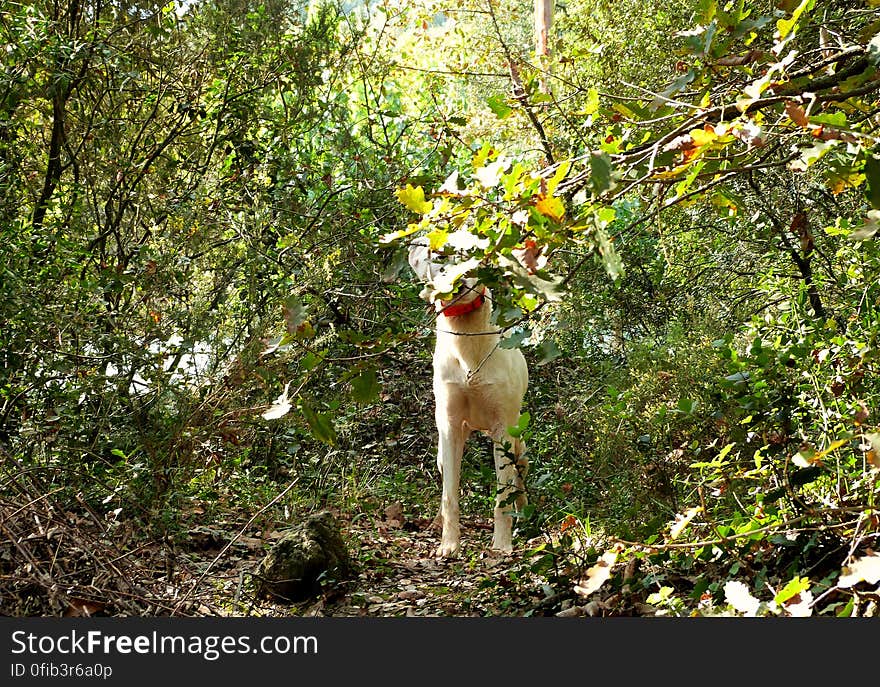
point(800, 605)
point(571, 612)
point(597, 575)
point(738, 595)
point(314, 611)
point(567, 524)
point(864, 569)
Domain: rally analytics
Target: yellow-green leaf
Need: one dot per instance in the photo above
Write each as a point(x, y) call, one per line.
point(785, 26)
point(796, 586)
point(560, 174)
point(403, 233)
point(592, 104)
point(365, 387)
point(438, 237)
point(413, 197)
point(551, 206)
point(703, 137)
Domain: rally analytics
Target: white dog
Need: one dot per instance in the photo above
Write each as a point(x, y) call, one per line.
point(477, 386)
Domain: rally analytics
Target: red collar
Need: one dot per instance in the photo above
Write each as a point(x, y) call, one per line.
point(459, 309)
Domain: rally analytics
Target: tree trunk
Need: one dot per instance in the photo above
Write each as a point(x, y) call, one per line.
point(543, 22)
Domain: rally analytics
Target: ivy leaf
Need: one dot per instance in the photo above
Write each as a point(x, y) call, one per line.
point(413, 197)
point(365, 387)
point(872, 177)
point(320, 424)
point(600, 172)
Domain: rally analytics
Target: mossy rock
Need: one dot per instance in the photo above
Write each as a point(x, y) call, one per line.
point(306, 558)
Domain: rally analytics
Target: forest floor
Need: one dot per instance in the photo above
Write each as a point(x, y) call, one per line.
point(60, 563)
point(398, 575)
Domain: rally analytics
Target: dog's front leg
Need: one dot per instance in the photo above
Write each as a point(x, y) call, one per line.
point(510, 466)
point(452, 436)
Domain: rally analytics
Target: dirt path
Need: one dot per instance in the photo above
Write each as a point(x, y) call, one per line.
point(398, 575)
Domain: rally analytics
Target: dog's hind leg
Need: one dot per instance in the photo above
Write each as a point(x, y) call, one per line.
point(452, 436)
point(522, 469)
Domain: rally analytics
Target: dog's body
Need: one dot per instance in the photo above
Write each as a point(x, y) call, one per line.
point(477, 386)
